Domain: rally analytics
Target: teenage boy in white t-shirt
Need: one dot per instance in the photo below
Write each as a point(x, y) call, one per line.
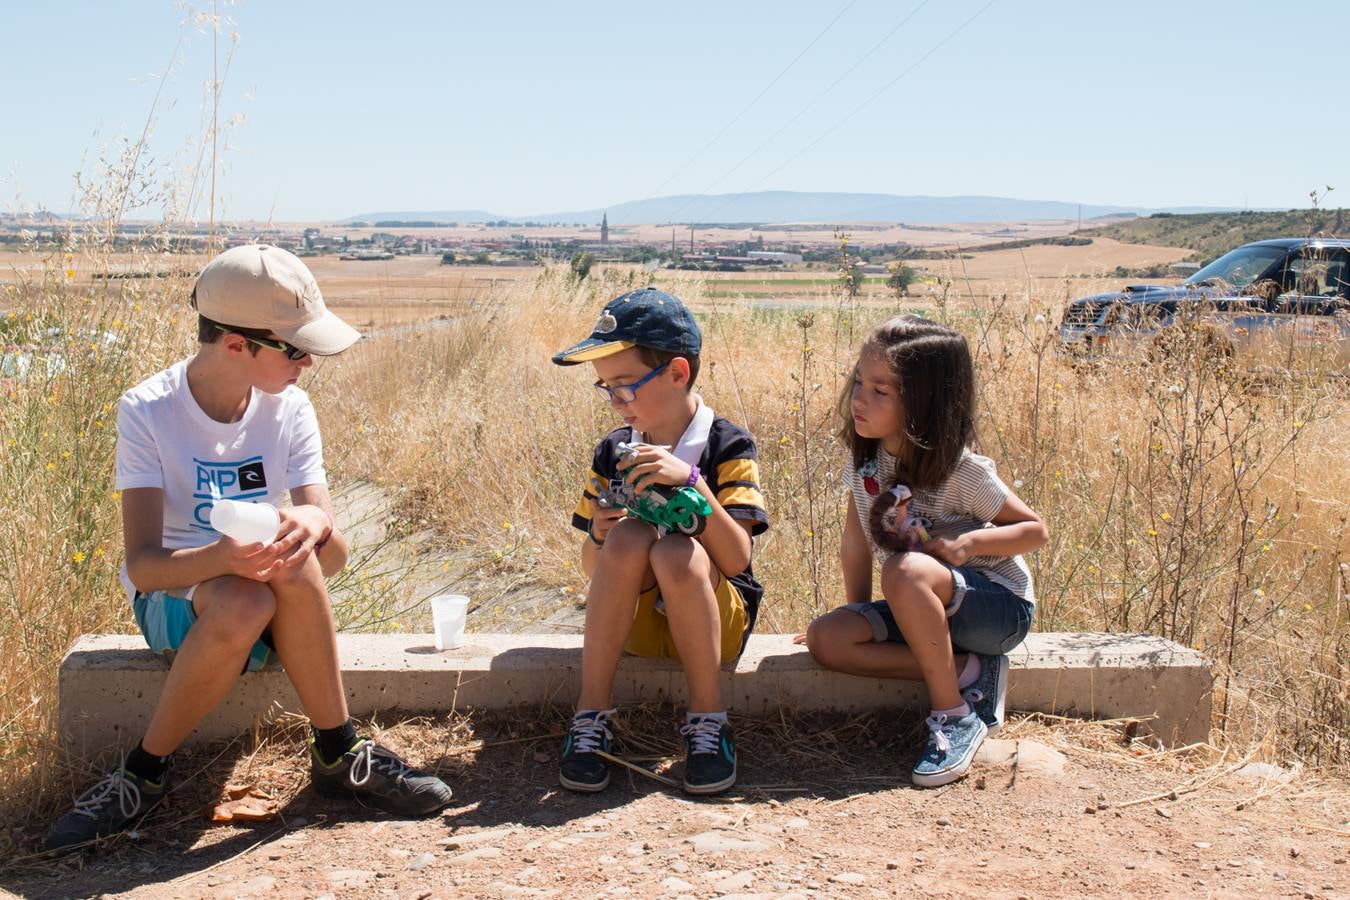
point(230, 423)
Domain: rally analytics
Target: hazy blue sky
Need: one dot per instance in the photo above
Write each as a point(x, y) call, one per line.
point(530, 107)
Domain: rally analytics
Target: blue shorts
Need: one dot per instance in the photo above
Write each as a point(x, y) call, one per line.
point(984, 617)
point(165, 620)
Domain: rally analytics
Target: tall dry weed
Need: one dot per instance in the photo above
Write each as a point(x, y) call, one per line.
point(1184, 497)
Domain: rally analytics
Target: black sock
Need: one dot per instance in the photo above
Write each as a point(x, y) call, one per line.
point(146, 765)
point(331, 743)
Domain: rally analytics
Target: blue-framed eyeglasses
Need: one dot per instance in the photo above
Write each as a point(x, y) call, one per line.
point(627, 393)
point(293, 353)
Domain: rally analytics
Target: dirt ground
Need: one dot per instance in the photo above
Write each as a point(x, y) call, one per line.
point(823, 808)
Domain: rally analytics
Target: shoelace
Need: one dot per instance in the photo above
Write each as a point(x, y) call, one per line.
point(589, 733)
point(372, 758)
point(703, 735)
point(938, 725)
point(128, 796)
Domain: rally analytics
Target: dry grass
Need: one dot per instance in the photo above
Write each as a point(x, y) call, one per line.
point(1194, 502)
point(1197, 503)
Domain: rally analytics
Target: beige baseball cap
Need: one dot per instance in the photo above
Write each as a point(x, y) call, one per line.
point(266, 287)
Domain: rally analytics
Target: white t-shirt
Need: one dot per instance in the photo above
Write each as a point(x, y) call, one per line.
point(967, 500)
point(166, 441)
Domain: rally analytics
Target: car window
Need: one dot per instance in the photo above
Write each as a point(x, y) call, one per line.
point(1315, 281)
point(1338, 276)
point(1238, 268)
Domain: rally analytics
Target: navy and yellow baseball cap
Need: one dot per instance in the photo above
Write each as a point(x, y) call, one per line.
point(645, 317)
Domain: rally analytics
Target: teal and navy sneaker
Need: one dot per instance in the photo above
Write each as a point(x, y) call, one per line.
point(582, 768)
point(376, 776)
point(710, 756)
point(989, 692)
point(113, 805)
point(951, 747)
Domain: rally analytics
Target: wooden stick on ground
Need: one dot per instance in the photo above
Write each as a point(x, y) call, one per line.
point(668, 782)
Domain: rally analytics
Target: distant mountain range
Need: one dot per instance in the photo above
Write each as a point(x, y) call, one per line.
point(765, 207)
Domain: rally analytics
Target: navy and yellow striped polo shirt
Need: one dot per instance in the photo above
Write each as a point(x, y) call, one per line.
point(730, 467)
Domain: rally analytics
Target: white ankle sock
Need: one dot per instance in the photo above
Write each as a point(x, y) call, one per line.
point(970, 674)
point(955, 712)
point(597, 713)
point(715, 716)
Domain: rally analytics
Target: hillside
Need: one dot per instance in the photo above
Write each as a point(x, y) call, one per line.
point(1213, 234)
point(793, 206)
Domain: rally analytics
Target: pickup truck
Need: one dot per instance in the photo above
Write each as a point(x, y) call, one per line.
point(1280, 301)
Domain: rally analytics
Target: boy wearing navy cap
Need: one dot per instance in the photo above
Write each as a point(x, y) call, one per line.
point(656, 594)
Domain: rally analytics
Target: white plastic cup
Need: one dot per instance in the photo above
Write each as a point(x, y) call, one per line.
point(448, 613)
point(247, 523)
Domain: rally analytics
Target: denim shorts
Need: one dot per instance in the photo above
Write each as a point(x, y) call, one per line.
point(165, 620)
point(984, 617)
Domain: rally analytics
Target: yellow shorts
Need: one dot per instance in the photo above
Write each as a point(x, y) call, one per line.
point(651, 632)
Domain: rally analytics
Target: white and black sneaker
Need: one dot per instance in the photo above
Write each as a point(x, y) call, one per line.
point(582, 768)
point(113, 805)
point(710, 756)
point(377, 776)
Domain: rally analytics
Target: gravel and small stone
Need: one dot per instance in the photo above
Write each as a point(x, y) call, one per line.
point(823, 808)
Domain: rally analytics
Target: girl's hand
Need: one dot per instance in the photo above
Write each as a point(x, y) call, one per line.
point(955, 551)
point(799, 638)
point(604, 518)
point(656, 465)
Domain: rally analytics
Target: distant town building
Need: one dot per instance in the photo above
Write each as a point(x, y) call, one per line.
point(776, 256)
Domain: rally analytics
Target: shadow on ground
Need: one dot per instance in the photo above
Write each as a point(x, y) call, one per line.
point(502, 767)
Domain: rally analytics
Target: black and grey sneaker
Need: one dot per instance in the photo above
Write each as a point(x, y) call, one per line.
point(113, 805)
point(989, 692)
point(710, 756)
point(376, 776)
point(582, 768)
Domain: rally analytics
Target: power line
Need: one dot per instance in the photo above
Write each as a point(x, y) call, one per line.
point(736, 118)
point(835, 127)
point(801, 112)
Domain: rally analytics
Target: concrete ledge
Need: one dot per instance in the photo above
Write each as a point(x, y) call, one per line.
point(109, 683)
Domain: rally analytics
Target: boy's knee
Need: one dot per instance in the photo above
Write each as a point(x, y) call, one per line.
point(306, 575)
point(243, 609)
point(630, 538)
point(676, 558)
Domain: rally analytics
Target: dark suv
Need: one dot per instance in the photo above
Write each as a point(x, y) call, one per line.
point(1279, 295)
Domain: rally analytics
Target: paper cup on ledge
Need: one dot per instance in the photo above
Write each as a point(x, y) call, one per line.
point(448, 613)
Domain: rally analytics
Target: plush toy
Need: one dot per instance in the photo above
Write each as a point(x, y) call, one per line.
point(893, 528)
